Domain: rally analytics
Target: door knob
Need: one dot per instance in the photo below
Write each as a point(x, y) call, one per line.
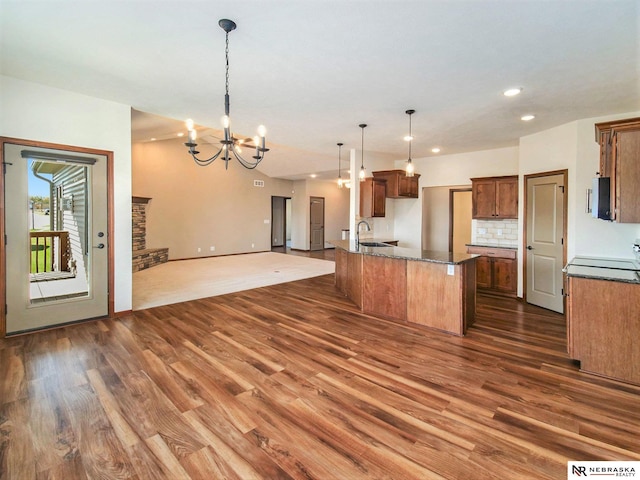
point(529, 247)
point(101, 234)
point(100, 245)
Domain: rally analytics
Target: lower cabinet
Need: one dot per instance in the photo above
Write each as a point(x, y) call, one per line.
point(496, 270)
point(427, 293)
point(603, 318)
point(384, 286)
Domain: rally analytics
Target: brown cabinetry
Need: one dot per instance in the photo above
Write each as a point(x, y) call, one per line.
point(372, 197)
point(600, 316)
point(398, 184)
point(620, 161)
point(494, 197)
point(496, 270)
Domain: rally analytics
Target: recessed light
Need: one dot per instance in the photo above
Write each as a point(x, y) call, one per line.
point(526, 118)
point(181, 134)
point(435, 150)
point(153, 139)
point(512, 92)
point(408, 138)
point(313, 175)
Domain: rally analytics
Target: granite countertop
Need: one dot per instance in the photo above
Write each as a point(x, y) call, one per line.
point(613, 269)
point(493, 245)
point(452, 258)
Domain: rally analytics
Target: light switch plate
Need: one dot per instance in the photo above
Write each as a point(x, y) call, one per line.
point(450, 269)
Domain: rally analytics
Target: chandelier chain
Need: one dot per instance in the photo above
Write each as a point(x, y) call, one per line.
point(226, 53)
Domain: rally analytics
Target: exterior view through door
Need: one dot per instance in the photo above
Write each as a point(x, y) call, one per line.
point(56, 225)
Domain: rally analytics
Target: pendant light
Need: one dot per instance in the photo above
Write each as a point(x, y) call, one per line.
point(340, 182)
point(409, 138)
point(362, 170)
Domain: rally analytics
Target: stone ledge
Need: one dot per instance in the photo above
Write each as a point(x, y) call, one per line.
point(149, 257)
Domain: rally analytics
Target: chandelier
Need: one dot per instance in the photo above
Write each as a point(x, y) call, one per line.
point(230, 144)
point(409, 138)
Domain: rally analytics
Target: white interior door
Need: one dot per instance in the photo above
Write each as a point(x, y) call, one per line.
point(56, 247)
point(545, 247)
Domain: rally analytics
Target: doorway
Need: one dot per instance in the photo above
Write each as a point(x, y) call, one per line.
point(57, 257)
point(316, 215)
point(438, 217)
point(460, 210)
point(545, 212)
point(281, 222)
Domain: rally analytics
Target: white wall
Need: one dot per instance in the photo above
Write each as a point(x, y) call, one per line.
point(336, 211)
point(196, 207)
point(447, 170)
point(573, 146)
point(30, 111)
point(381, 227)
point(300, 216)
point(336, 208)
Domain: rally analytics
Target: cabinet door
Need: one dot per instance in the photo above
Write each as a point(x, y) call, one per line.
point(626, 148)
point(407, 186)
point(372, 198)
point(507, 198)
point(605, 154)
point(483, 272)
point(504, 275)
point(379, 198)
point(483, 198)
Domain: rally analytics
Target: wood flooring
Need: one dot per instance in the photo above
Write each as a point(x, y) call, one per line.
point(291, 381)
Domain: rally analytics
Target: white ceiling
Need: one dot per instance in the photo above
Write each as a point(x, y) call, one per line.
point(312, 70)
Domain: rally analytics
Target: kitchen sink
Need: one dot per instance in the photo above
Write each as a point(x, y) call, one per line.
point(374, 244)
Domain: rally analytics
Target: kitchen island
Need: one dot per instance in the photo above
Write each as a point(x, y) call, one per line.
point(429, 288)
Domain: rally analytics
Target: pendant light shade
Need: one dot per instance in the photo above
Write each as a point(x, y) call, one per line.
point(340, 182)
point(409, 138)
point(363, 172)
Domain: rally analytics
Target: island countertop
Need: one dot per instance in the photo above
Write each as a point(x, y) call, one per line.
point(434, 256)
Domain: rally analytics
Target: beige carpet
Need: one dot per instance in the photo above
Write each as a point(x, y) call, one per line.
point(183, 280)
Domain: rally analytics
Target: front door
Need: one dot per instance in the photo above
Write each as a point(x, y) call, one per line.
point(545, 249)
point(56, 225)
point(317, 223)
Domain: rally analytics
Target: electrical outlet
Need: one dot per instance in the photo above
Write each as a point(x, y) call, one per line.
point(199, 250)
point(253, 245)
point(499, 232)
point(482, 231)
point(212, 248)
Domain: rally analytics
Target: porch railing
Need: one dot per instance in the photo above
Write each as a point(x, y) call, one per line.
point(50, 251)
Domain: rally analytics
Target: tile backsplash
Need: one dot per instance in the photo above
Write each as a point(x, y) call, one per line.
point(496, 232)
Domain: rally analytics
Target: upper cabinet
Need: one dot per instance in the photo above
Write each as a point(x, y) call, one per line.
point(398, 184)
point(373, 197)
point(495, 197)
point(620, 161)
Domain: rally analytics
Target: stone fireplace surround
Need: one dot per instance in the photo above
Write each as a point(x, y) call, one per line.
point(143, 257)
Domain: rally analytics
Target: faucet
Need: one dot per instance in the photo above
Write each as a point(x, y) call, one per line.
point(358, 231)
